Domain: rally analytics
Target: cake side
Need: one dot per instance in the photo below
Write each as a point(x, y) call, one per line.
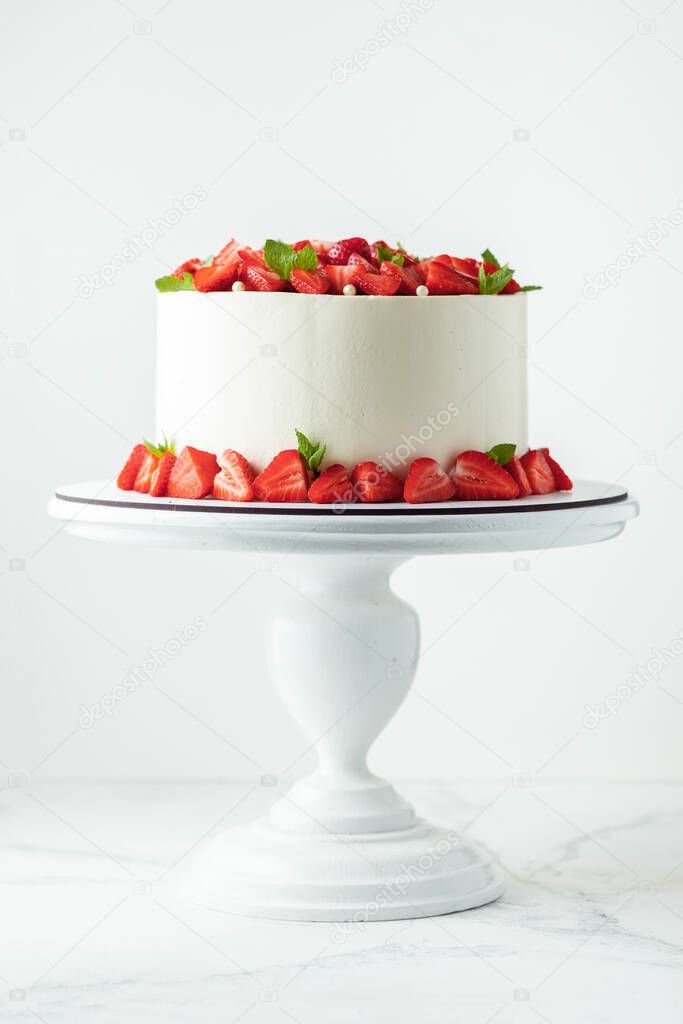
point(387, 379)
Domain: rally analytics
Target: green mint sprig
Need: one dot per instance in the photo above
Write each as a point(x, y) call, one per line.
point(502, 453)
point(384, 253)
point(488, 257)
point(175, 284)
point(312, 452)
point(283, 258)
point(491, 284)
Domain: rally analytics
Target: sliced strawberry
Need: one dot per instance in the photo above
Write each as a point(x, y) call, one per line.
point(422, 267)
point(510, 288)
point(427, 481)
point(373, 482)
point(322, 246)
point(356, 260)
point(407, 277)
point(477, 477)
point(126, 477)
point(283, 479)
point(378, 284)
point(188, 267)
point(143, 480)
point(193, 474)
point(339, 252)
point(443, 280)
point(539, 473)
point(236, 478)
point(562, 481)
point(310, 282)
point(301, 245)
point(332, 485)
point(229, 253)
point(339, 277)
point(516, 470)
point(261, 279)
point(219, 277)
point(162, 471)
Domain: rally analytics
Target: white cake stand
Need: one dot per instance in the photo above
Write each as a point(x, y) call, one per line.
point(343, 845)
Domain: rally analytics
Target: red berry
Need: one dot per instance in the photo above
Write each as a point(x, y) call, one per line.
point(341, 276)
point(126, 477)
point(478, 477)
point(377, 284)
point(193, 474)
point(162, 471)
point(373, 482)
point(407, 277)
point(562, 481)
point(339, 252)
point(427, 481)
point(188, 267)
point(219, 277)
point(443, 280)
point(332, 485)
point(356, 260)
point(261, 279)
point(516, 470)
point(539, 473)
point(228, 254)
point(283, 479)
point(236, 478)
point(143, 480)
point(510, 288)
point(310, 282)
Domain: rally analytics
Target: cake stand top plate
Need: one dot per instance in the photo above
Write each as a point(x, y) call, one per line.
point(590, 513)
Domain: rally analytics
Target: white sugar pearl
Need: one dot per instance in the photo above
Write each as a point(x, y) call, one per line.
point(239, 286)
point(349, 289)
point(422, 289)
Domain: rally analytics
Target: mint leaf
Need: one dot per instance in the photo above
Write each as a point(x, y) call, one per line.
point(306, 258)
point(502, 453)
point(385, 253)
point(312, 452)
point(531, 288)
point(491, 284)
point(175, 284)
point(488, 257)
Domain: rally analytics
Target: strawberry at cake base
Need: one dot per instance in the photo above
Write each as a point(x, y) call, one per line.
point(376, 378)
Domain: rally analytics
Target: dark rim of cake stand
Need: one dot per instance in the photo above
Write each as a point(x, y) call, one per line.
point(357, 511)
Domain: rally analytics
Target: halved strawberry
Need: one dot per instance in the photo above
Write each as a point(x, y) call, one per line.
point(310, 282)
point(516, 470)
point(126, 477)
point(161, 474)
point(378, 284)
point(562, 481)
point(301, 245)
point(477, 477)
point(332, 485)
point(219, 277)
point(143, 480)
point(193, 474)
point(236, 478)
point(339, 277)
point(373, 482)
point(229, 253)
point(356, 260)
point(538, 471)
point(188, 267)
point(443, 280)
point(422, 267)
point(261, 279)
point(339, 252)
point(510, 288)
point(427, 481)
point(407, 277)
point(283, 479)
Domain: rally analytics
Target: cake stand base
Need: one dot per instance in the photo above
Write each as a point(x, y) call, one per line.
point(342, 845)
point(260, 871)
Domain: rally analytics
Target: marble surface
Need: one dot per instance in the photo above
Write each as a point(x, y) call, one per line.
point(590, 927)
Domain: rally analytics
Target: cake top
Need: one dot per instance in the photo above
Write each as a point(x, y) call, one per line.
point(346, 267)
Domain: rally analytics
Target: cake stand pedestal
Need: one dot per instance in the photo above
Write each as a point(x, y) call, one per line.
point(342, 844)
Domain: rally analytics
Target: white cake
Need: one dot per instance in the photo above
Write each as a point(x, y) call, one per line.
point(382, 378)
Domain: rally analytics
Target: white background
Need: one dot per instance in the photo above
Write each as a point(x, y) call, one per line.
point(548, 132)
